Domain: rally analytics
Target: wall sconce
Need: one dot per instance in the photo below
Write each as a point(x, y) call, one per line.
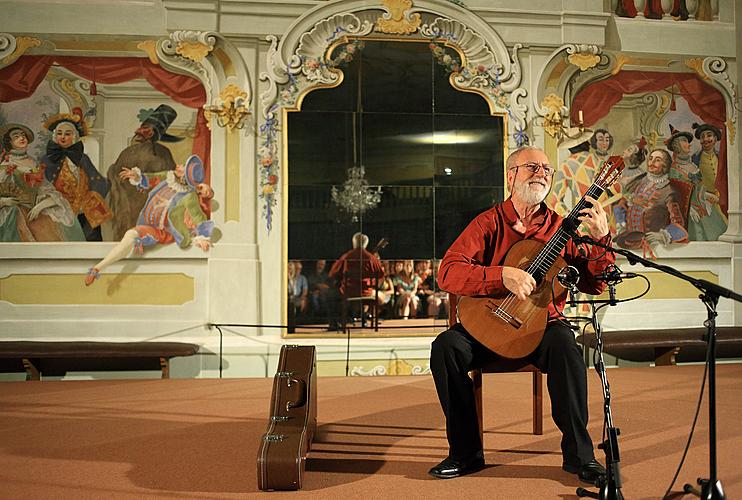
point(230, 110)
point(553, 123)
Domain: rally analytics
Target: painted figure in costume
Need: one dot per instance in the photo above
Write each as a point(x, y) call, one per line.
point(707, 160)
point(72, 173)
point(30, 208)
point(651, 211)
point(145, 153)
point(577, 173)
point(633, 158)
point(703, 223)
point(175, 210)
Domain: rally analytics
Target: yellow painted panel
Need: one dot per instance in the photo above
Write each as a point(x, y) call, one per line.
point(374, 367)
point(232, 181)
point(227, 65)
point(664, 286)
point(110, 289)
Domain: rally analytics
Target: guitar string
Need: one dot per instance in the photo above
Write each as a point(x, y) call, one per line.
point(550, 251)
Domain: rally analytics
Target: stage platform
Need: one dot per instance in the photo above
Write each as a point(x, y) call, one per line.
point(377, 437)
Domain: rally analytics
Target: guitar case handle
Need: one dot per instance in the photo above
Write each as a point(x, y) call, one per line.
point(302, 399)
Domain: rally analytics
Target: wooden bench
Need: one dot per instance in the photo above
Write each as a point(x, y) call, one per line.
point(666, 347)
point(56, 358)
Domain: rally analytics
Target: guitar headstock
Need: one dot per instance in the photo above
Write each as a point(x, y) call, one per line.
point(610, 171)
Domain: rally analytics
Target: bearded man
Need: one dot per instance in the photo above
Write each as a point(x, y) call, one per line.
point(473, 266)
point(148, 156)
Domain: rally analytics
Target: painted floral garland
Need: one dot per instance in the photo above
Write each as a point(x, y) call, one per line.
point(268, 148)
point(470, 72)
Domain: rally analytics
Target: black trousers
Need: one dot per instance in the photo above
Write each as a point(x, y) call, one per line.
point(454, 353)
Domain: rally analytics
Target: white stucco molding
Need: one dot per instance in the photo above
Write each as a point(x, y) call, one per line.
point(299, 62)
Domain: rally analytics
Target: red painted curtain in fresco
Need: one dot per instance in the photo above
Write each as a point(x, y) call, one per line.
point(20, 79)
point(597, 100)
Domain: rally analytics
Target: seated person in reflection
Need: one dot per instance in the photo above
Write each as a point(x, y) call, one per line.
point(423, 270)
point(298, 292)
point(319, 289)
point(386, 286)
point(357, 272)
point(436, 301)
point(406, 284)
point(473, 266)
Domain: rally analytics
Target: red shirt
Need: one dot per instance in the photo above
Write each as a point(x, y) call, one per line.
point(473, 264)
point(355, 270)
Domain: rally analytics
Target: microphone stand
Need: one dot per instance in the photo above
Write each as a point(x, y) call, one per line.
point(610, 489)
point(711, 488)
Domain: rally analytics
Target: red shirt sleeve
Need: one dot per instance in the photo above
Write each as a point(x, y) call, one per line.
point(464, 269)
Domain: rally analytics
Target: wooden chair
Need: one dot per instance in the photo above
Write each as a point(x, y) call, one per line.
point(503, 366)
point(372, 301)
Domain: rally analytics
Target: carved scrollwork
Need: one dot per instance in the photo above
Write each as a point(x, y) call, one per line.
point(11, 48)
point(716, 69)
point(184, 52)
point(7, 45)
point(313, 46)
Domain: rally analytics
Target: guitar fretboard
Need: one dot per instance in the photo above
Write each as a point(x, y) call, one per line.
point(547, 256)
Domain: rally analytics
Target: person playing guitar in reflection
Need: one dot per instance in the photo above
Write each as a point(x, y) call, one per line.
point(473, 266)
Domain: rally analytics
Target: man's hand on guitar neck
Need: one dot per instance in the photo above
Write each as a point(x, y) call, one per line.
point(594, 218)
point(519, 282)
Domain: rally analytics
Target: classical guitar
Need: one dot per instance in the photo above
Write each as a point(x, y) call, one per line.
point(513, 328)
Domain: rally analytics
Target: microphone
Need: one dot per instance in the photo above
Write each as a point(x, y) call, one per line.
point(568, 277)
point(613, 273)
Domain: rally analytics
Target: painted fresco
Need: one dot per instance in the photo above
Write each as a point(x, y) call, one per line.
point(78, 165)
point(670, 129)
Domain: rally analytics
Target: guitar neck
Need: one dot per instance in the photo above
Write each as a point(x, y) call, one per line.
point(546, 257)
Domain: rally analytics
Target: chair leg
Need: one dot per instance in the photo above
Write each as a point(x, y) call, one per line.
point(476, 378)
point(538, 402)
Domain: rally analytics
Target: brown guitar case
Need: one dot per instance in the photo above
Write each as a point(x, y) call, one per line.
point(293, 420)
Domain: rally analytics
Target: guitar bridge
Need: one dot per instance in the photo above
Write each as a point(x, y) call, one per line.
point(505, 316)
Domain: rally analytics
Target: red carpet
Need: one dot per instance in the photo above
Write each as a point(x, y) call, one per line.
point(377, 438)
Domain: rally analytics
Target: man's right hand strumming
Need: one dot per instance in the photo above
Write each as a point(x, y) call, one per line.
point(519, 282)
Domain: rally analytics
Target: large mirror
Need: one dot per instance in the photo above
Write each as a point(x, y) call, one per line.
point(393, 158)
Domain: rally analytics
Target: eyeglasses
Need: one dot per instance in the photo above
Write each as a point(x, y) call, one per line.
point(535, 167)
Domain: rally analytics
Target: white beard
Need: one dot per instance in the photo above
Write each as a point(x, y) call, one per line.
point(530, 194)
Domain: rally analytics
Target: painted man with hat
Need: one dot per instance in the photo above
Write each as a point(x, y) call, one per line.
point(73, 174)
point(698, 207)
point(30, 208)
point(145, 153)
point(707, 159)
point(176, 210)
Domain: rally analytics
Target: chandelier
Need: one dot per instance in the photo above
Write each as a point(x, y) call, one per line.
point(356, 196)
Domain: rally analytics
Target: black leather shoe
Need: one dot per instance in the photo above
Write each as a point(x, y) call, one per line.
point(591, 472)
point(450, 467)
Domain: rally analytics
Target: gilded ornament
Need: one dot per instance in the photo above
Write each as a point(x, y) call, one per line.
point(620, 61)
point(398, 19)
point(195, 51)
point(696, 64)
point(553, 105)
point(230, 110)
point(22, 44)
point(583, 60)
point(150, 47)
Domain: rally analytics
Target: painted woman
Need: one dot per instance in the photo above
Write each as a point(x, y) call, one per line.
point(30, 208)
